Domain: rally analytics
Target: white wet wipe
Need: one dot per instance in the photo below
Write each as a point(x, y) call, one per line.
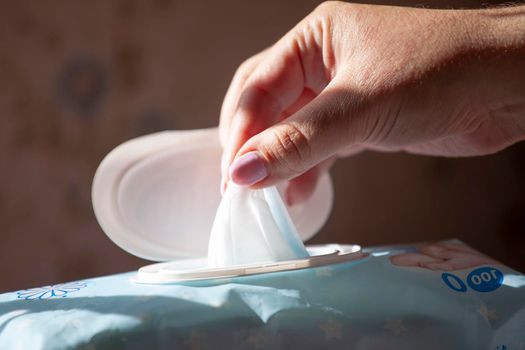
point(252, 226)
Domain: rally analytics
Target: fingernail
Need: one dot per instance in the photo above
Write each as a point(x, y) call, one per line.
point(248, 169)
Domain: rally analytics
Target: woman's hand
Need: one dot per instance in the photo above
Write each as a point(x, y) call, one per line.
point(351, 77)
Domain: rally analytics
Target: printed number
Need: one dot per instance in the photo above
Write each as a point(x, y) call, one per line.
point(454, 282)
point(485, 279)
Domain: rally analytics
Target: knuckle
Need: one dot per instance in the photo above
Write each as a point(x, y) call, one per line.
point(325, 11)
point(245, 68)
point(251, 97)
point(245, 65)
point(258, 101)
point(289, 148)
point(327, 6)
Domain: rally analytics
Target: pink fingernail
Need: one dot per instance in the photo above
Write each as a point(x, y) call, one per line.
point(248, 169)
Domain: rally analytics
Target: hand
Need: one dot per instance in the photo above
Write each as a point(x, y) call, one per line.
point(443, 256)
point(351, 77)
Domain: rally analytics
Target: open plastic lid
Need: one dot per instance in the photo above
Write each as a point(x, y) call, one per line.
point(156, 196)
point(197, 269)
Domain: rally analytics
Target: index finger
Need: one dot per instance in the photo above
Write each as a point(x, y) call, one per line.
point(277, 83)
point(231, 98)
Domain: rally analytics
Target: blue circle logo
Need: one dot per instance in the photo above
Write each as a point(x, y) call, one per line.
point(485, 279)
point(454, 282)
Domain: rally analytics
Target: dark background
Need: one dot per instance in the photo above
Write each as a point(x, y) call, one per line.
point(79, 77)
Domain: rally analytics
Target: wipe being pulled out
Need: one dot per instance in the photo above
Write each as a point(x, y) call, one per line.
point(252, 226)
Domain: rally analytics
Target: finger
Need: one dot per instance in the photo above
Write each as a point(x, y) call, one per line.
point(460, 263)
point(301, 188)
point(413, 259)
point(350, 150)
point(234, 90)
point(278, 82)
point(273, 86)
point(439, 251)
point(306, 96)
point(298, 143)
point(459, 247)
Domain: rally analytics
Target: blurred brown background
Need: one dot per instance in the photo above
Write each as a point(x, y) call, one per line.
point(79, 77)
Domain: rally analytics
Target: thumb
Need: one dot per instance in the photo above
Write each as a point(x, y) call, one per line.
point(298, 143)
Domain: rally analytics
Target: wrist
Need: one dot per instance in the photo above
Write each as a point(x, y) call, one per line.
point(496, 37)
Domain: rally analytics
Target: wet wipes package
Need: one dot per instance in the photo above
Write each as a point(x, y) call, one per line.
point(433, 296)
point(233, 272)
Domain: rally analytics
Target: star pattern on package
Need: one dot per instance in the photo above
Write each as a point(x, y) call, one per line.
point(323, 272)
point(257, 339)
point(52, 291)
point(196, 341)
point(395, 326)
point(331, 329)
point(487, 313)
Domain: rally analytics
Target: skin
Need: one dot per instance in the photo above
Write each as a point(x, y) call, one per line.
point(352, 77)
point(443, 256)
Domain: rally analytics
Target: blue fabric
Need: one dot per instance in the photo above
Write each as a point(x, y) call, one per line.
point(365, 304)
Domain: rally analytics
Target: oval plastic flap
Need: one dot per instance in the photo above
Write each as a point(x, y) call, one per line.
point(156, 196)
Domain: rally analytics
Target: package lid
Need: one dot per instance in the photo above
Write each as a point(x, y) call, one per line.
point(156, 196)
